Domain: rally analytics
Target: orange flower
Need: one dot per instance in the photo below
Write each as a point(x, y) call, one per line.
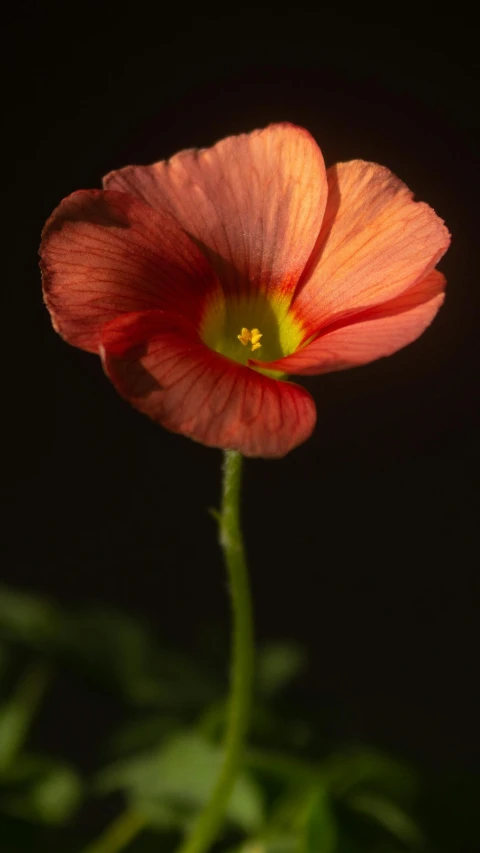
point(204, 280)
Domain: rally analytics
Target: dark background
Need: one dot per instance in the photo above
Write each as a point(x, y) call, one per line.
point(362, 542)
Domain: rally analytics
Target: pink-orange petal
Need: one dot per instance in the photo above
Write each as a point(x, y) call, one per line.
point(372, 334)
point(375, 243)
point(107, 253)
point(254, 203)
point(159, 364)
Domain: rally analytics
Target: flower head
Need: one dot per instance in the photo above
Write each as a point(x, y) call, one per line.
point(205, 280)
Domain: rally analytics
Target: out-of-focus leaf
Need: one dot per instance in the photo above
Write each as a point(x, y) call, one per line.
point(4, 660)
point(320, 832)
point(388, 815)
point(20, 836)
point(27, 769)
point(267, 726)
point(368, 769)
point(450, 809)
point(143, 733)
point(12, 726)
point(280, 765)
point(118, 650)
point(17, 713)
point(110, 645)
point(163, 815)
point(27, 618)
point(316, 831)
point(56, 797)
point(276, 845)
point(175, 781)
point(348, 844)
point(279, 730)
point(302, 821)
point(41, 789)
point(277, 664)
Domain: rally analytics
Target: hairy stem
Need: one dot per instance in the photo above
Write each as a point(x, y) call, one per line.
point(210, 821)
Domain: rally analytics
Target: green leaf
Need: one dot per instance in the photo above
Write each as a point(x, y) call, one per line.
point(450, 808)
point(302, 821)
point(143, 733)
point(56, 797)
point(388, 815)
point(304, 813)
point(320, 832)
point(111, 646)
point(4, 660)
point(26, 618)
point(277, 665)
point(367, 769)
point(41, 789)
point(174, 782)
point(118, 650)
point(17, 713)
point(282, 766)
point(276, 845)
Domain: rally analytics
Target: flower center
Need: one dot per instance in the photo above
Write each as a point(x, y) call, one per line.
point(281, 332)
point(252, 337)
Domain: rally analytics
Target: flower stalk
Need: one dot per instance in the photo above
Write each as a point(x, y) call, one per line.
point(127, 826)
point(230, 534)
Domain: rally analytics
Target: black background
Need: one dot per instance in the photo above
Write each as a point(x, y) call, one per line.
point(363, 542)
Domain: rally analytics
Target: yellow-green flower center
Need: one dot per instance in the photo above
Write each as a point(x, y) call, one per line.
point(252, 338)
point(251, 326)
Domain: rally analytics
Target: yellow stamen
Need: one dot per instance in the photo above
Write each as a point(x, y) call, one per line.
point(244, 337)
point(252, 337)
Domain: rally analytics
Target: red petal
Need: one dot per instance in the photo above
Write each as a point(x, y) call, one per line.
point(159, 364)
point(254, 203)
point(106, 253)
point(375, 243)
point(374, 333)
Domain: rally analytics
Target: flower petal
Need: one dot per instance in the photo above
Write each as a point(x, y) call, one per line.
point(254, 203)
point(375, 243)
point(159, 364)
point(107, 253)
point(372, 334)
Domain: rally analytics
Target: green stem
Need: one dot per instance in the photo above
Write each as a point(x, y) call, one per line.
point(210, 821)
point(116, 837)
point(126, 827)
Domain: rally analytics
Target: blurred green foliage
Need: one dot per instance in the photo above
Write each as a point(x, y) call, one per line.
point(173, 781)
point(161, 756)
